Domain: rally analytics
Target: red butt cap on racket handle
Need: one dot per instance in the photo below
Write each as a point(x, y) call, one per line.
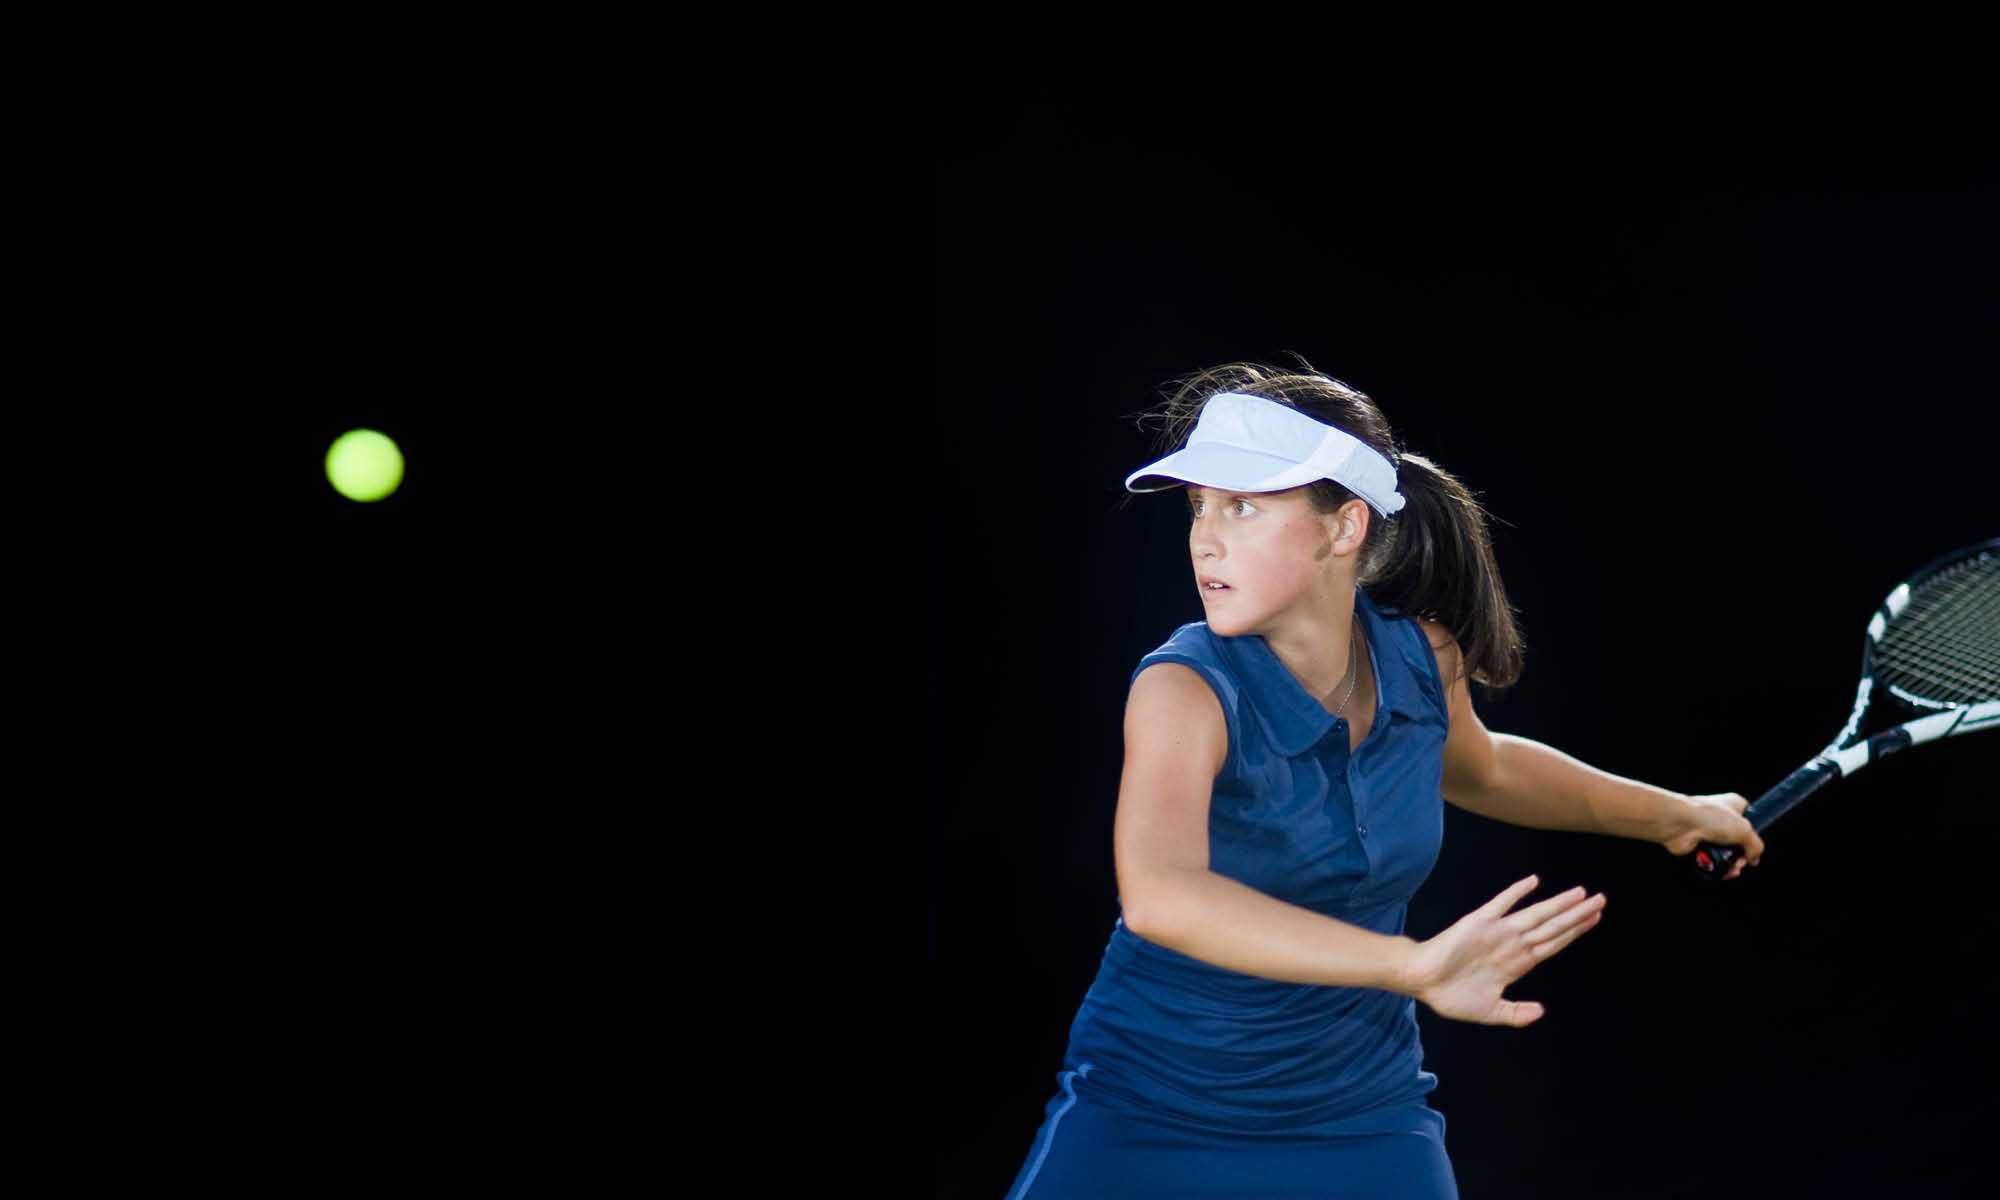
point(1712, 861)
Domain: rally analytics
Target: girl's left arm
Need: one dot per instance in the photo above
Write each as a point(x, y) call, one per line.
point(1536, 785)
point(1524, 782)
point(1527, 783)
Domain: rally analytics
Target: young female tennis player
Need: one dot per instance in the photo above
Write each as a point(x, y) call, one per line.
point(1252, 1028)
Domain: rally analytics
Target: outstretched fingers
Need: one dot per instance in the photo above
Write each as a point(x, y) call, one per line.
point(1565, 927)
point(1505, 900)
point(1533, 915)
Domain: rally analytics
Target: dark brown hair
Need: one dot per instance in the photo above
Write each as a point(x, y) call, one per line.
point(1432, 559)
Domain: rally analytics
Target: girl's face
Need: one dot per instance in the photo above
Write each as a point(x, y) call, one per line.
point(1271, 548)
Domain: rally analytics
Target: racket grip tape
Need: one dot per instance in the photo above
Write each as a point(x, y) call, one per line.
point(1712, 861)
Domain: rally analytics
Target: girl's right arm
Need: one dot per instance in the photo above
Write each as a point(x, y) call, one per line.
point(1176, 741)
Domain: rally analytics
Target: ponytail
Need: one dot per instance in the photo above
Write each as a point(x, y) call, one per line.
point(1435, 560)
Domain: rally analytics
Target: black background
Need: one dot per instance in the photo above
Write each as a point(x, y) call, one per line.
point(390, 747)
point(1722, 381)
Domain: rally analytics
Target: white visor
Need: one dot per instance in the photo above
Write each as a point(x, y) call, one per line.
point(1245, 443)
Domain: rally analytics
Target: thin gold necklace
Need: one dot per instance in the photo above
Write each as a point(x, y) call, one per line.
point(1353, 674)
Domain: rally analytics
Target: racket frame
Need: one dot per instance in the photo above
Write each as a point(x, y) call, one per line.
point(1839, 760)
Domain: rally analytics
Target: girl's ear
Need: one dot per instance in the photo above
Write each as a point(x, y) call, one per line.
point(1343, 527)
point(1352, 524)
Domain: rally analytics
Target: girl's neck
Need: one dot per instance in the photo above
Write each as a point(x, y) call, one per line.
point(1327, 659)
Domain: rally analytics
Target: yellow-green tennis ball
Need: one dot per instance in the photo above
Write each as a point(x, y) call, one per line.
point(364, 465)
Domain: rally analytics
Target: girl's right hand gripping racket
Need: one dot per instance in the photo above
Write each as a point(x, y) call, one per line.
point(1935, 647)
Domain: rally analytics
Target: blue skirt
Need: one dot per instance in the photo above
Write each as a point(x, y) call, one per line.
point(1089, 1146)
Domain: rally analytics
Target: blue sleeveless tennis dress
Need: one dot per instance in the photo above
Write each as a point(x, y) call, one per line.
point(1186, 1079)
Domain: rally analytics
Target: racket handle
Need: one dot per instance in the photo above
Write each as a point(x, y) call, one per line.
point(1713, 862)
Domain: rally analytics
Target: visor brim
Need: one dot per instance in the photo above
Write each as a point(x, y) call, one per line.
point(1210, 464)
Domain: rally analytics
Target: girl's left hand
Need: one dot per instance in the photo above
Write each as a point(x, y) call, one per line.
point(1717, 819)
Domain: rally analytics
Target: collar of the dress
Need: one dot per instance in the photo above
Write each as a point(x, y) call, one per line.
point(1292, 718)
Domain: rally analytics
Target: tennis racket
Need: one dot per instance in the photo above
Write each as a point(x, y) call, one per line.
point(1934, 647)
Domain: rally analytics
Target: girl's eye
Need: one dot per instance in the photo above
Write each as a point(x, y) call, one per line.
point(1194, 510)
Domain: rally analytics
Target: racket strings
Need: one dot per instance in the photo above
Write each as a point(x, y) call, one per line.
point(1945, 645)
